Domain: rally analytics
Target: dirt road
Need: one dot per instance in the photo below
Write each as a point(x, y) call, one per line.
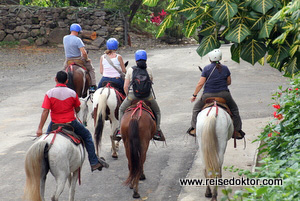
point(26, 74)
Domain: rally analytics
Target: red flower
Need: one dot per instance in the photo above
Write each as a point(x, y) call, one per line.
point(270, 135)
point(296, 89)
point(163, 13)
point(276, 106)
point(278, 116)
point(277, 132)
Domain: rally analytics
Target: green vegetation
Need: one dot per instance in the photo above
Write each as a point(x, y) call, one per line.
point(55, 3)
point(281, 151)
point(9, 44)
point(257, 28)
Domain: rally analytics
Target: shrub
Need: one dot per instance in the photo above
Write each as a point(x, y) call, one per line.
point(281, 148)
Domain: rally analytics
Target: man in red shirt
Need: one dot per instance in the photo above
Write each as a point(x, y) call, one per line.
point(63, 103)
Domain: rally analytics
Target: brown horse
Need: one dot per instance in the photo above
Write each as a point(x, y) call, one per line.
point(79, 79)
point(137, 127)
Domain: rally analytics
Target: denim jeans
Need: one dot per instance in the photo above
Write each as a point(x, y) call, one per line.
point(85, 134)
point(118, 81)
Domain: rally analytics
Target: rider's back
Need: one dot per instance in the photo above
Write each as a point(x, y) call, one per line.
point(71, 45)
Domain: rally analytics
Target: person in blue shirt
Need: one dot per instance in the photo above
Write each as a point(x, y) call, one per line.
point(215, 79)
point(75, 50)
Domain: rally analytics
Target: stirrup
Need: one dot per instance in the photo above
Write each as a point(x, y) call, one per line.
point(239, 135)
point(159, 136)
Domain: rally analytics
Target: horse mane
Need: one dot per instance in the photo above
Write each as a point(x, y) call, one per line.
point(70, 83)
point(210, 147)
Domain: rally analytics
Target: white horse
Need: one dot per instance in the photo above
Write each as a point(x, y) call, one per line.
point(105, 106)
point(214, 128)
point(82, 115)
point(64, 160)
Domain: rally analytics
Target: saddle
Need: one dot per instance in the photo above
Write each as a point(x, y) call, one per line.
point(77, 62)
point(115, 86)
point(221, 102)
point(141, 105)
point(67, 131)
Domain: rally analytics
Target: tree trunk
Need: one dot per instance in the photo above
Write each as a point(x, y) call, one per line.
point(133, 9)
point(89, 35)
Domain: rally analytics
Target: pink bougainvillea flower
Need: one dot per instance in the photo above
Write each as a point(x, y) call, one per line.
point(163, 13)
point(276, 106)
point(270, 135)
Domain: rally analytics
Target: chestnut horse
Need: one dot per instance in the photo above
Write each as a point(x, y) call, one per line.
point(79, 80)
point(214, 128)
point(137, 128)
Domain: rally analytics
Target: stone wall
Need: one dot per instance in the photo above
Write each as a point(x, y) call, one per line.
point(43, 26)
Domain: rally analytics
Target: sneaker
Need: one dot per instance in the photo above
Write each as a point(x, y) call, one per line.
point(159, 136)
point(92, 89)
point(191, 131)
point(98, 166)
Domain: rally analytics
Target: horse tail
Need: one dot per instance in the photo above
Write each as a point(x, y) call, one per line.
point(210, 147)
point(135, 162)
point(100, 119)
point(35, 168)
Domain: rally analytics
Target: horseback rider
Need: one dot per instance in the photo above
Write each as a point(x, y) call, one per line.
point(215, 78)
point(75, 51)
point(141, 58)
point(112, 65)
point(63, 102)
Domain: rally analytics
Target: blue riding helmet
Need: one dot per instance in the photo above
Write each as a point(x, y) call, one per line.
point(75, 27)
point(112, 44)
point(140, 55)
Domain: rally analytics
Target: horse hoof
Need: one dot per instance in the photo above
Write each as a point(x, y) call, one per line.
point(136, 195)
point(142, 177)
point(115, 156)
point(208, 195)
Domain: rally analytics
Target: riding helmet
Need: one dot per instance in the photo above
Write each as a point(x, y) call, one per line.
point(215, 55)
point(140, 55)
point(112, 44)
point(75, 27)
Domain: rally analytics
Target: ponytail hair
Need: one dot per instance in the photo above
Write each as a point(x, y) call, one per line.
point(109, 51)
point(141, 64)
point(218, 65)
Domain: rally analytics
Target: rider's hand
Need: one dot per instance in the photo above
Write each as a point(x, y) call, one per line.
point(39, 132)
point(193, 99)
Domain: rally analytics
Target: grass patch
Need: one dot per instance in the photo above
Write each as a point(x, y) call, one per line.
point(9, 44)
